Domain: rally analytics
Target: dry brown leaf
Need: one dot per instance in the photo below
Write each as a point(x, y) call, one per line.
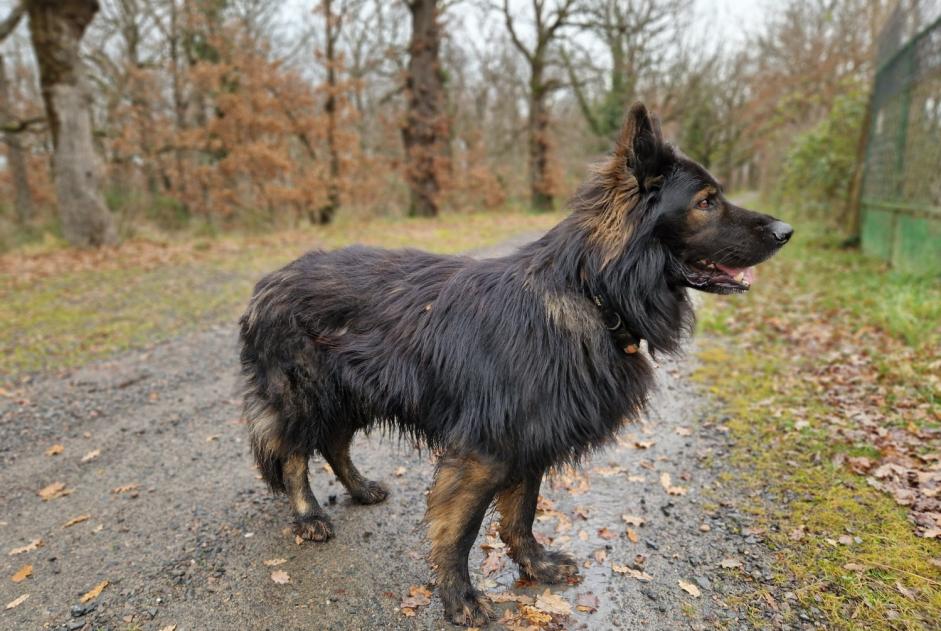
point(633, 520)
point(607, 533)
point(538, 618)
point(212, 438)
point(280, 577)
point(55, 450)
point(689, 588)
point(126, 488)
point(638, 574)
point(548, 602)
point(35, 544)
point(76, 520)
point(493, 562)
point(666, 481)
point(94, 592)
point(418, 596)
point(54, 490)
point(684, 431)
point(91, 455)
point(587, 603)
point(274, 562)
point(644, 444)
point(400, 471)
point(22, 573)
point(507, 597)
point(632, 535)
point(17, 601)
point(600, 555)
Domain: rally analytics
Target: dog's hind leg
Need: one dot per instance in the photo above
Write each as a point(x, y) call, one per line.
point(517, 507)
point(463, 489)
point(310, 520)
point(337, 452)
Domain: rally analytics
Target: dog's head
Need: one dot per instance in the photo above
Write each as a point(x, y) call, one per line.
point(649, 190)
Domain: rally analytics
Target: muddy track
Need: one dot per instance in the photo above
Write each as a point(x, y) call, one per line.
point(186, 541)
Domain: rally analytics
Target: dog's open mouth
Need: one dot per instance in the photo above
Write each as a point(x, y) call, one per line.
point(706, 275)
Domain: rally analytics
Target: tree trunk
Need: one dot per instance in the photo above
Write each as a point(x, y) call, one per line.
point(23, 198)
point(56, 27)
point(328, 210)
point(540, 184)
point(425, 125)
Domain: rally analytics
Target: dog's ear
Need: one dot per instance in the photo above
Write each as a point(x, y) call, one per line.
point(640, 148)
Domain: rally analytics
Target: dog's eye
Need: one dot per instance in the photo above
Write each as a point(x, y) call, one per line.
point(704, 204)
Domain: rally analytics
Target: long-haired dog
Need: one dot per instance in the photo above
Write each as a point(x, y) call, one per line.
point(507, 367)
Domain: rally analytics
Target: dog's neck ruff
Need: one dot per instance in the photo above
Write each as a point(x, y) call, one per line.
point(612, 320)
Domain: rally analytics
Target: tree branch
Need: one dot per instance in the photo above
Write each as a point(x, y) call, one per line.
point(10, 23)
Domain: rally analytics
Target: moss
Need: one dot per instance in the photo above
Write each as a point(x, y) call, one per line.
point(764, 375)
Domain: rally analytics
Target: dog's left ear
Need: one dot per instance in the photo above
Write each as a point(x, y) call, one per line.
point(640, 148)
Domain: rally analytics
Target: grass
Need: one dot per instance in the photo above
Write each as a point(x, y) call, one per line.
point(61, 308)
point(815, 306)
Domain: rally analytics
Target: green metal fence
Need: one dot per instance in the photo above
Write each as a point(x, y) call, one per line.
point(901, 194)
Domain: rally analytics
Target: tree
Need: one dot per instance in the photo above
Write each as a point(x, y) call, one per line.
point(636, 34)
point(23, 200)
point(426, 126)
point(56, 28)
point(547, 24)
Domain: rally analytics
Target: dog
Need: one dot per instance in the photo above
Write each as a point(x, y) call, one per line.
point(506, 367)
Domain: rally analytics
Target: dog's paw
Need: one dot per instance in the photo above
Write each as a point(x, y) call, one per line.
point(314, 528)
point(550, 567)
point(370, 493)
point(470, 611)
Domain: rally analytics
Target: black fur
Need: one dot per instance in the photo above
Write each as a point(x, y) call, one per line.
point(506, 359)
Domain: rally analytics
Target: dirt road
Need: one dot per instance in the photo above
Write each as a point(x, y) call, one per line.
point(180, 526)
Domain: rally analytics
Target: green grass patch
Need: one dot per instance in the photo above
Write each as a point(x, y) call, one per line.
point(818, 306)
point(60, 308)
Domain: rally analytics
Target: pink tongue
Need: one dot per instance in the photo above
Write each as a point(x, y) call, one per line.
point(735, 271)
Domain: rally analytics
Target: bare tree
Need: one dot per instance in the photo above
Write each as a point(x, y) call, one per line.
point(426, 125)
point(547, 24)
point(333, 23)
point(56, 28)
point(636, 34)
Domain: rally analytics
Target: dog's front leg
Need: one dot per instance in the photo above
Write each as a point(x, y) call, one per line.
point(517, 507)
point(463, 489)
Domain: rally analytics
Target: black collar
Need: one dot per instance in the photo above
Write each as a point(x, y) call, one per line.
point(613, 322)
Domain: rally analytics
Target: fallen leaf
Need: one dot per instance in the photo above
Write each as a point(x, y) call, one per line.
point(22, 573)
point(493, 562)
point(400, 471)
point(684, 431)
point(607, 533)
point(644, 444)
point(535, 616)
point(55, 450)
point(17, 602)
point(508, 597)
point(54, 490)
point(280, 577)
point(600, 555)
point(91, 455)
point(587, 602)
point(633, 520)
point(859, 464)
point(35, 544)
point(908, 593)
point(639, 575)
point(274, 562)
point(548, 602)
point(632, 535)
point(94, 592)
point(418, 596)
point(730, 563)
point(845, 540)
point(797, 534)
point(127, 488)
point(76, 520)
point(667, 483)
point(212, 438)
point(689, 588)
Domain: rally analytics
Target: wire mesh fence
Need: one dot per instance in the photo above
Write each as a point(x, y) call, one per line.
point(901, 196)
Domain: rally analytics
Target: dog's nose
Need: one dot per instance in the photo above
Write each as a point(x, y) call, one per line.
point(781, 231)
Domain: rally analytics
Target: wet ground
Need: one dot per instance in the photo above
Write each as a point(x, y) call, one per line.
point(179, 525)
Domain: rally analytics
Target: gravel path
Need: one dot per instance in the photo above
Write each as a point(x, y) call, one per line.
point(185, 542)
